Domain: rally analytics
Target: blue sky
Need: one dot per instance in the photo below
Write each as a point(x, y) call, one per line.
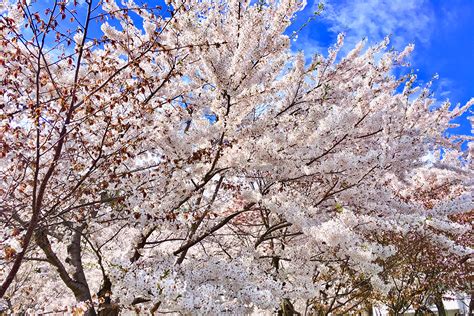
point(442, 31)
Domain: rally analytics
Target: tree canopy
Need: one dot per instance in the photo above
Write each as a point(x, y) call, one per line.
point(184, 159)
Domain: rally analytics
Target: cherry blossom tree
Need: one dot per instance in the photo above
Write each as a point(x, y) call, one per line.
point(184, 159)
point(425, 274)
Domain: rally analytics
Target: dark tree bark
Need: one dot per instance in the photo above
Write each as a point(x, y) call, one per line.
point(440, 305)
point(287, 309)
point(471, 304)
point(77, 283)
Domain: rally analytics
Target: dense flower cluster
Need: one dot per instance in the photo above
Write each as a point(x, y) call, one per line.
point(190, 162)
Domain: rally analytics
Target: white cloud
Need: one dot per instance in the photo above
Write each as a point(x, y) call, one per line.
point(444, 87)
point(405, 20)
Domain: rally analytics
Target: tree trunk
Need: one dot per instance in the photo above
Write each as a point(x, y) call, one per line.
point(471, 304)
point(77, 283)
point(106, 307)
point(109, 310)
point(370, 310)
point(287, 309)
point(440, 305)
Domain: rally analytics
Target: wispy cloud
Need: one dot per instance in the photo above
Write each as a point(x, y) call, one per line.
point(444, 87)
point(406, 20)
